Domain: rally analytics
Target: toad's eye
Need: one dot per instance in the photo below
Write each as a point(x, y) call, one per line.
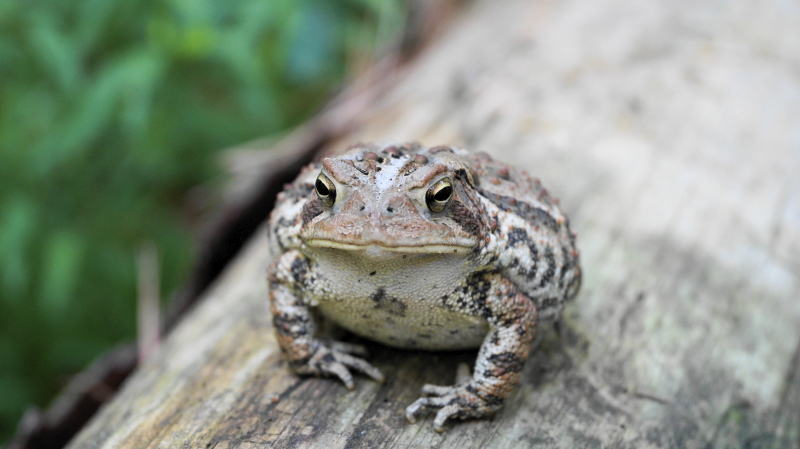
point(439, 195)
point(326, 190)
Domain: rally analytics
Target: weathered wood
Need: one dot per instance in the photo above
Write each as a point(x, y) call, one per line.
point(670, 131)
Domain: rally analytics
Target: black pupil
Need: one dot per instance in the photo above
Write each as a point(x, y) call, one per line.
point(443, 194)
point(322, 189)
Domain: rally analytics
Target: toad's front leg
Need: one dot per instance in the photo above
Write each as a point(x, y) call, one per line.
point(512, 317)
point(295, 327)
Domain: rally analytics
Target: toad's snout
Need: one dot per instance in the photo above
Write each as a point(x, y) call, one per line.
point(394, 212)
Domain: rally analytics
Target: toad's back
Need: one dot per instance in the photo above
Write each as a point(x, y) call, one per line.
point(538, 249)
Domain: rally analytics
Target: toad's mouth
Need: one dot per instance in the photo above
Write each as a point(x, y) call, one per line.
point(418, 249)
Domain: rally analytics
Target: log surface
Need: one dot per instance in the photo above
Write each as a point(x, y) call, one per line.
point(670, 130)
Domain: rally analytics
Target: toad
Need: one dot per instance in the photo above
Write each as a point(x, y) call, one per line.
point(423, 248)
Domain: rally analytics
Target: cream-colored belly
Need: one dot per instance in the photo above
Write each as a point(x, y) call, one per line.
point(395, 300)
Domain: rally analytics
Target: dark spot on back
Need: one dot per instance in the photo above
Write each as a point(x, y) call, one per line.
point(532, 214)
point(574, 283)
point(567, 265)
point(519, 236)
point(516, 236)
point(549, 302)
point(469, 219)
point(551, 267)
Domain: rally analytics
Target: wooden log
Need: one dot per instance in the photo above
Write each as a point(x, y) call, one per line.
point(671, 132)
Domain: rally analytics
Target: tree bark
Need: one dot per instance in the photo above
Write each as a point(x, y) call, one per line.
point(671, 132)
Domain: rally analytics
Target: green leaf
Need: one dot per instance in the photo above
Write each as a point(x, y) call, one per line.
point(144, 72)
point(17, 227)
point(93, 18)
point(55, 52)
point(62, 265)
point(87, 120)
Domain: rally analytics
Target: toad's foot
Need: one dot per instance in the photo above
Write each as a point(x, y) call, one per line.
point(461, 401)
point(335, 359)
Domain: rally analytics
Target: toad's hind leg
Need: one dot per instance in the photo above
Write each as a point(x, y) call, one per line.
point(512, 318)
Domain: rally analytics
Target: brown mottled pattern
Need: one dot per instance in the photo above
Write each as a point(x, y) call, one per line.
point(469, 219)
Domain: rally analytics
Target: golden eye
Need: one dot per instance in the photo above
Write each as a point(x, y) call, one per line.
point(439, 195)
point(326, 190)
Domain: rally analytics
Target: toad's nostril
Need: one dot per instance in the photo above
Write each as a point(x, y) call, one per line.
point(362, 208)
point(390, 209)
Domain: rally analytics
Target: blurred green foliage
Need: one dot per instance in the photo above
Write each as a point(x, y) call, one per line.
point(110, 110)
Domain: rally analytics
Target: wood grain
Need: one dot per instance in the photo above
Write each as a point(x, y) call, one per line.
point(671, 132)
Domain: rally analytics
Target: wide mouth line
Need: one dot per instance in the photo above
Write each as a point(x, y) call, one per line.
point(425, 248)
